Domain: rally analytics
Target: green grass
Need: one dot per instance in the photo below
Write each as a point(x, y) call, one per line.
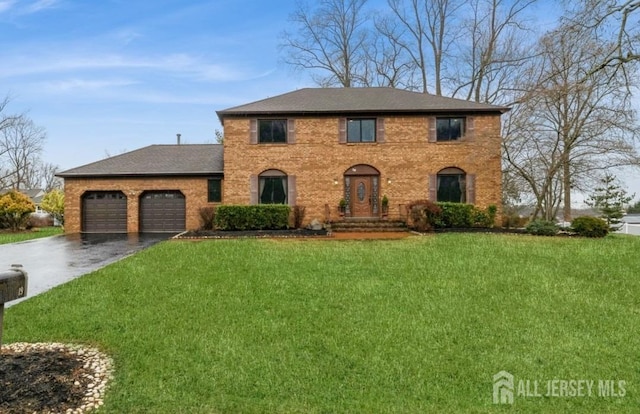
point(414, 325)
point(10, 237)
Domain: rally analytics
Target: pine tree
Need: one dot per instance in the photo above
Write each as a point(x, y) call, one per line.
point(609, 199)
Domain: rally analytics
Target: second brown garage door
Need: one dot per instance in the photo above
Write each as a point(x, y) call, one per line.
point(162, 212)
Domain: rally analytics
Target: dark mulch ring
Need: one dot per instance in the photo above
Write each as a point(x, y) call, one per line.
point(480, 230)
point(51, 378)
point(229, 234)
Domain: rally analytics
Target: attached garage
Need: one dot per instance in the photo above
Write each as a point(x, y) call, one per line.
point(162, 212)
point(158, 189)
point(104, 212)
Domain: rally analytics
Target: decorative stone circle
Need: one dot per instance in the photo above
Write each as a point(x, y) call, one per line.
point(90, 371)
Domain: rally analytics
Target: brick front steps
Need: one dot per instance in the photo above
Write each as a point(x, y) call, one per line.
point(368, 225)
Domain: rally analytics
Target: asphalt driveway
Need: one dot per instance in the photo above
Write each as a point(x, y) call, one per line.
point(52, 261)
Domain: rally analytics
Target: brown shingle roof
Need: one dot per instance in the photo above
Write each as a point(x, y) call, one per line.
point(357, 100)
point(188, 159)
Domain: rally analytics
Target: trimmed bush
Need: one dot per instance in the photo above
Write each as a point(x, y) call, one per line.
point(588, 226)
point(457, 215)
point(255, 217)
point(541, 227)
point(298, 216)
point(424, 215)
point(462, 215)
point(207, 217)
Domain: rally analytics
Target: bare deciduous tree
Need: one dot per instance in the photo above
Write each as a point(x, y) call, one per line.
point(20, 146)
point(495, 45)
point(614, 22)
point(388, 64)
point(43, 176)
point(425, 36)
point(569, 126)
point(330, 41)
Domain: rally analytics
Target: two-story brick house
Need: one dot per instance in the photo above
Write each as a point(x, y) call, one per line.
point(310, 147)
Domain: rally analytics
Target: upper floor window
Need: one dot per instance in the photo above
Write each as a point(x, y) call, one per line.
point(361, 130)
point(449, 129)
point(272, 130)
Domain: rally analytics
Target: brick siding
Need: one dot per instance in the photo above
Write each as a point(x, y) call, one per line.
point(405, 160)
point(193, 188)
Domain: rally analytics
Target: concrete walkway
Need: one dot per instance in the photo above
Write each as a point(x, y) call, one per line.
point(52, 261)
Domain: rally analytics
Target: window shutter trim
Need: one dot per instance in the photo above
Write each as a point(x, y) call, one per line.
point(470, 133)
point(433, 187)
point(253, 131)
point(291, 131)
point(342, 130)
point(471, 188)
point(431, 123)
point(292, 192)
point(253, 189)
point(380, 133)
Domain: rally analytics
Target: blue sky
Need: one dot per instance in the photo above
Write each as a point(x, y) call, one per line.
point(109, 76)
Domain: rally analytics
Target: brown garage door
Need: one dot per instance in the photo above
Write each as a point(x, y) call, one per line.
point(104, 212)
point(162, 212)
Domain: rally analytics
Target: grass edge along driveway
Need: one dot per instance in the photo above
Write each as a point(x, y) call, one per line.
point(414, 325)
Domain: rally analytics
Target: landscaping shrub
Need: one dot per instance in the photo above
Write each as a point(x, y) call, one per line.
point(462, 215)
point(541, 227)
point(298, 216)
point(39, 220)
point(514, 220)
point(256, 217)
point(53, 203)
point(207, 217)
point(588, 226)
point(458, 215)
point(15, 209)
point(424, 215)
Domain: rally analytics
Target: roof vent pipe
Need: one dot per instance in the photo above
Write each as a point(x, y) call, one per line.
point(178, 136)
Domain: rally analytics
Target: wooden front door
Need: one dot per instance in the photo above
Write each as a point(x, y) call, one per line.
point(361, 197)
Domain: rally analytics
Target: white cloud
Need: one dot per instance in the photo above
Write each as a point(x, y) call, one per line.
point(40, 5)
point(6, 5)
point(182, 65)
point(84, 85)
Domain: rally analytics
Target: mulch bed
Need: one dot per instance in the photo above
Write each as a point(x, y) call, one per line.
point(481, 230)
point(38, 381)
point(51, 378)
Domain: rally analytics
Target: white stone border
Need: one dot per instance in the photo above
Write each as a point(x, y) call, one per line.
point(99, 365)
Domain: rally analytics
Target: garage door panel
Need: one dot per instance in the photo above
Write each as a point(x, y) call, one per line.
point(104, 212)
point(162, 212)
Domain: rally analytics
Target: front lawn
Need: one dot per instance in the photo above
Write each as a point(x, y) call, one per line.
point(414, 325)
point(36, 233)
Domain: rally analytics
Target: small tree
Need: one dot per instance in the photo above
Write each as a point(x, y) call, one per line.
point(609, 199)
point(53, 203)
point(15, 209)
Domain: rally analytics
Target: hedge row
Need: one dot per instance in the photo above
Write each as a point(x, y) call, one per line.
point(425, 215)
point(255, 217)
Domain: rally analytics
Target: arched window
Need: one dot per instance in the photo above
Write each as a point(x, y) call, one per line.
point(451, 185)
point(272, 187)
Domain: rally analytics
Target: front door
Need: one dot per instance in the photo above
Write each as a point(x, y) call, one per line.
point(361, 197)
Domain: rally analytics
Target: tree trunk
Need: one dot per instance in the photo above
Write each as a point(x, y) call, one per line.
point(566, 183)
